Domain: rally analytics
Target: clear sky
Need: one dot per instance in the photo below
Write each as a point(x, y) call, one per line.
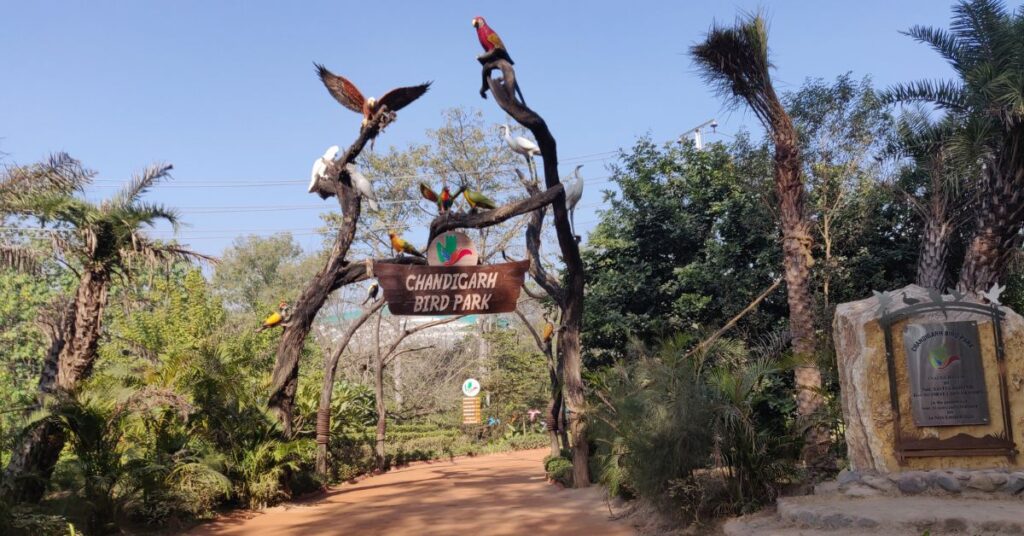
point(226, 91)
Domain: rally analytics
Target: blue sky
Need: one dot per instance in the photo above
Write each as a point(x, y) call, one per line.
point(225, 91)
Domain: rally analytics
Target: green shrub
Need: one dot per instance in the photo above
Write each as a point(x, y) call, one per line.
point(697, 436)
point(559, 469)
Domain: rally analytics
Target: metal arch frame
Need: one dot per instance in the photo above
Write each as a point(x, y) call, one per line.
point(961, 444)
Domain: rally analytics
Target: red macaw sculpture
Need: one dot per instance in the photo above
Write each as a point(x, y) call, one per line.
point(489, 40)
point(494, 48)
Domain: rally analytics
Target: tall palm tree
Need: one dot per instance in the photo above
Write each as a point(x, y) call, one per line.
point(97, 242)
point(985, 47)
point(734, 60)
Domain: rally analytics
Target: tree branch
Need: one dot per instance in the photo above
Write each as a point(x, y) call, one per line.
point(732, 321)
point(533, 240)
point(416, 329)
point(536, 336)
point(355, 272)
point(480, 220)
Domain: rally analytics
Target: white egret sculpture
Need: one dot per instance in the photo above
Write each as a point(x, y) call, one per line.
point(363, 186)
point(573, 194)
point(320, 167)
point(522, 146)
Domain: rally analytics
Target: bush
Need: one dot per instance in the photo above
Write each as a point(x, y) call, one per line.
point(697, 436)
point(559, 469)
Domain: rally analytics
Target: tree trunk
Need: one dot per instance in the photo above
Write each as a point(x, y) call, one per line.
point(554, 421)
point(78, 355)
point(503, 90)
point(378, 394)
point(285, 378)
point(323, 413)
point(32, 461)
point(70, 359)
point(1000, 216)
point(931, 262)
point(797, 262)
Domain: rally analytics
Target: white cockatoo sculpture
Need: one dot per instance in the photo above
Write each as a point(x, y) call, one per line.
point(320, 167)
point(363, 186)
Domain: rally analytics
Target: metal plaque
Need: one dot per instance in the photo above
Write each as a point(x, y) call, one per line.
point(947, 381)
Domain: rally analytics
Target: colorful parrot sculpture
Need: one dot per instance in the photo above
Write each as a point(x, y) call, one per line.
point(444, 200)
point(490, 41)
point(371, 292)
point(478, 200)
point(494, 48)
point(275, 318)
point(346, 93)
point(400, 245)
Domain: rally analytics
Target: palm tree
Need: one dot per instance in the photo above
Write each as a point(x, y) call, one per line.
point(734, 60)
point(96, 242)
point(948, 201)
point(985, 47)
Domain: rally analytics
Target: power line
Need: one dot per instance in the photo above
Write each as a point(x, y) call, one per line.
point(196, 183)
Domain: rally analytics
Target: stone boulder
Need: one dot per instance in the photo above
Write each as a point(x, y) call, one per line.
point(864, 384)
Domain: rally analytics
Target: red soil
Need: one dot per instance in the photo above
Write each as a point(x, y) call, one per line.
point(499, 494)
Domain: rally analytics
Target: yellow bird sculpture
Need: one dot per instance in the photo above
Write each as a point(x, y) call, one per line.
point(274, 319)
point(400, 245)
point(549, 331)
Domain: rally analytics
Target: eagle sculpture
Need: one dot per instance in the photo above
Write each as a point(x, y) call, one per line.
point(350, 97)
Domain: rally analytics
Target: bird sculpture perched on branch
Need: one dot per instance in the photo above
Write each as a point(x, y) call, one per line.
point(401, 246)
point(548, 331)
point(276, 318)
point(363, 186)
point(371, 292)
point(573, 194)
point(490, 40)
point(346, 93)
point(443, 200)
point(320, 167)
point(478, 200)
point(494, 49)
point(523, 146)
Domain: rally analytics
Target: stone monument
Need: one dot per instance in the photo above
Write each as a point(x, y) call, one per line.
point(931, 382)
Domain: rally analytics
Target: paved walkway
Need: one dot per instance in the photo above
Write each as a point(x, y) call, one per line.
point(498, 494)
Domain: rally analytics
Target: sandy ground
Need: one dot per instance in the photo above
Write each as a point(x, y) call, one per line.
point(498, 494)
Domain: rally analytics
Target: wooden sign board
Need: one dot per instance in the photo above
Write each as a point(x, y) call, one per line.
point(471, 410)
point(451, 290)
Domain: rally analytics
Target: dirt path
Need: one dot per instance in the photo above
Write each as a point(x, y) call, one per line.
point(498, 494)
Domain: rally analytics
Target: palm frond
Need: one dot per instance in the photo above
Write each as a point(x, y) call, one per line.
point(142, 250)
point(734, 61)
point(59, 174)
point(143, 213)
point(19, 258)
point(945, 94)
point(50, 206)
point(979, 25)
point(140, 183)
point(943, 42)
